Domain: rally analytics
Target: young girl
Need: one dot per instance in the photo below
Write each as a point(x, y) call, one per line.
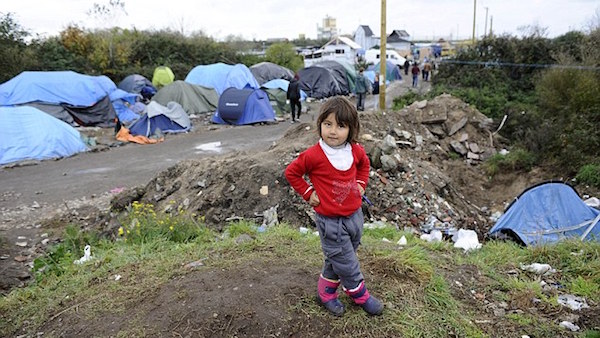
point(338, 169)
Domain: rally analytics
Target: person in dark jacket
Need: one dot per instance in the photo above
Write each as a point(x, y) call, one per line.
point(406, 66)
point(293, 94)
point(362, 87)
point(376, 91)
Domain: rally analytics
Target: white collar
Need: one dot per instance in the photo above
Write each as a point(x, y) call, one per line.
point(340, 157)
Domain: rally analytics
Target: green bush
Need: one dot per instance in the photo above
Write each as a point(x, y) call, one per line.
point(589, 174)
point(516, 160)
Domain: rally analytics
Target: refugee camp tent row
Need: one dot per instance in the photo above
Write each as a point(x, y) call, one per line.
point(77, 99)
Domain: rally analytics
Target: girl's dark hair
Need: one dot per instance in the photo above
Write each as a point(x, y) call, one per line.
point(345, 114)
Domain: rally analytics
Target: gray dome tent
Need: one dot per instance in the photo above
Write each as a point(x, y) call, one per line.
point(266, 71)
point(339, 74)
point(318, 83)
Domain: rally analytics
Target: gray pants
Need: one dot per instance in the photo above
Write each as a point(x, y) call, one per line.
point(340, 238)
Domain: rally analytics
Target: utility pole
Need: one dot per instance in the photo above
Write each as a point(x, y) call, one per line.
point(491, 21)
point(486, 17)
point(382, 58)
point(474, 15)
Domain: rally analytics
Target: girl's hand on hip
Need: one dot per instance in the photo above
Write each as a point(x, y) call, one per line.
point(361, 190)
point(314, 199)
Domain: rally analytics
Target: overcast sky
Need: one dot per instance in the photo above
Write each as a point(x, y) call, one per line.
point(263, 19)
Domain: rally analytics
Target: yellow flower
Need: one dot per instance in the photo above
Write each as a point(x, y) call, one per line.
point(171, 228)
point(120, 231)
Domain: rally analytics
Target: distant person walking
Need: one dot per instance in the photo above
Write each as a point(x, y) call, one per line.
point(376, 91)
point(415, 74)
point(426, 71)
point(293, 94)
point(361, 90)
point(406, 65)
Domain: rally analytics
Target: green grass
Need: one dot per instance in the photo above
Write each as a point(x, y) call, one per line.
point(416, 282)
point(589, 174)
point(516, 160)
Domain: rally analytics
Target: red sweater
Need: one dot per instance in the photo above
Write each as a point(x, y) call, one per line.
point(337, 190)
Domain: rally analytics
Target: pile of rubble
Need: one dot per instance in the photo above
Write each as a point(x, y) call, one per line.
point(424, 174)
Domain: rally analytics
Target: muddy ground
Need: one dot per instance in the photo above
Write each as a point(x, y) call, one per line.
point(429, 173)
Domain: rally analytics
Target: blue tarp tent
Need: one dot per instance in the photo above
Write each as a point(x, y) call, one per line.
point(547, 213)
point(61, 87)
point(169, 119)
point(134, 83)
point(221, 76)
point(29, 133)
point(243, 106)
point(392, 72)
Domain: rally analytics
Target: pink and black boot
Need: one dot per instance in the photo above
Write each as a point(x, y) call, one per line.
point(328, 296)
point(360, 295)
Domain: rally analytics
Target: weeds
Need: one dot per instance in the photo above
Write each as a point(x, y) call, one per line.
point(589, 174)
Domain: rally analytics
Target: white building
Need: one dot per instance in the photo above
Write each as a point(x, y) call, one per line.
point(365, 38)
point(399, 40)
point(338, 48)
point(329, 28)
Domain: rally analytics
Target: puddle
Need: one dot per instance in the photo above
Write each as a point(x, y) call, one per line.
point(209, 147)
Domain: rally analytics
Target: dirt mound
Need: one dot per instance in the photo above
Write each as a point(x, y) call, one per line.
point(425, 173)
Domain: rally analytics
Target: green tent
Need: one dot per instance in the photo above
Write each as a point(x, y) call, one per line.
point(350, 74)
point(163, 75)
point(277, 98)
point(194, 99)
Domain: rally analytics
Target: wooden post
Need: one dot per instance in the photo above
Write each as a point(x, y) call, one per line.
point(382, 58)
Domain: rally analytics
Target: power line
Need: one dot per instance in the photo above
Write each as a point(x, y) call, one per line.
point(523, 65)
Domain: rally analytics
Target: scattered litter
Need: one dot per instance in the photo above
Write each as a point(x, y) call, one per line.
point(264, 190)
point(117, 277)
point(209, 147)
point(592, 202)
point(434, 236)
point(495, 216)
point(572, 302)
point(303, 230)
point(270, 217)
point(87, 255)
point(402, 241)
point(433, 223)
point(194, 264)
point(538, 268)
point(21, 244)
point(466, 240)
point(569, 325)
point(117, 190)
point(385, 240)
point(374, 225)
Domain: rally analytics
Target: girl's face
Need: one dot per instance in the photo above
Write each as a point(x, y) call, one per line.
point(334, 134)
